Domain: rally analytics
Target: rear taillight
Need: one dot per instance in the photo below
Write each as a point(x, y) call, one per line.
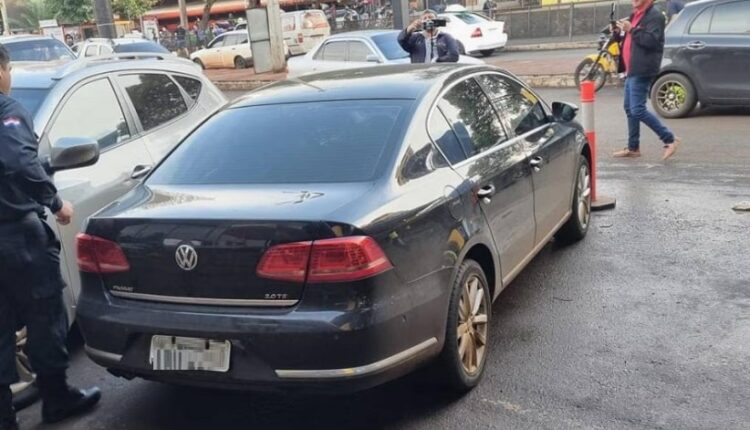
point(97, 255)
point(287, 262)
point(329, 260)
point(300, 38)
point(477, 32)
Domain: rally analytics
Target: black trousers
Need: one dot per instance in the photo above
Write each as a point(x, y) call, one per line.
point(31, 287)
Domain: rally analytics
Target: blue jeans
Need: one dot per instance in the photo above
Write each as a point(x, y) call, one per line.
point(636, 94)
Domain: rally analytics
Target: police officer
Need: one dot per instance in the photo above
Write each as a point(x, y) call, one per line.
point(30, 280)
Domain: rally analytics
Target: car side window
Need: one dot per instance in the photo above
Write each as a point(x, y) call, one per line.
point(91, 51)
point(231, 40)
point(155, 97)
point(444, 137)
point(106, 50)
point(522, 109)
point(497, 86)
point(105, 121)
point(472, 117)
point(731, 18)
point(191, 86)
point(358, 51)
point(217, 42)
point(335, 51)
point(702, 23)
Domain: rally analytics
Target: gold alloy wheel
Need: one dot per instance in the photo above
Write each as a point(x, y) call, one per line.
point(472, 325)
point(584, 196)
point(26, 376)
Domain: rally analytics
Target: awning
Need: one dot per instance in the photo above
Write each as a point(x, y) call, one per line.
point(220, 7)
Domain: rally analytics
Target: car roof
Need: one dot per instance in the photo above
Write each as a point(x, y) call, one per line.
point(403, 81)
point(47, 74)
point(700, 3)
point(362, 33)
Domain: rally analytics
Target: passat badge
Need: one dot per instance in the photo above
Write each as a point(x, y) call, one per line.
point(186, 257)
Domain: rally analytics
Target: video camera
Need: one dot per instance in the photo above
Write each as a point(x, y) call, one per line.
point(432, 24)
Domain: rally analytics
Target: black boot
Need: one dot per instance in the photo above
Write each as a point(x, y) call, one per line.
point(7, 413)
point(60, 401)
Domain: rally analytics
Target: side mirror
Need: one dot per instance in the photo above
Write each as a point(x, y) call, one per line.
point(564, 112)
point(71, 153)
point(373, 59)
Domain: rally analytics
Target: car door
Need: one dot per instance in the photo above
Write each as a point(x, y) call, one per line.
point(91, 188)
point(159, 105)
point(211, 57)
point(498, 168)
point(550, 146)
point(229, 50)
point(289, 31)
point(716, 49)
point(331, 56)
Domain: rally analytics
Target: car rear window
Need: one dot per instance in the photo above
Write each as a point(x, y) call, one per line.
point(30, 98)
point(141, 47)
point(388, 45)
point(338, 141)
point(469, 18)
point(38, 50)
point(314, 20)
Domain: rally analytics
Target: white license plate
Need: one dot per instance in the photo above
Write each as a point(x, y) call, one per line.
point(189, 353)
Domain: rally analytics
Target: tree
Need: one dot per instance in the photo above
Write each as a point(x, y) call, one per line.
point(206, 13)
point(133, 9)
point(72, 11)
point(34, 11)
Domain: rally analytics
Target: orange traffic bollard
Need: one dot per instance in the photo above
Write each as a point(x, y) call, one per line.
point(588, 97)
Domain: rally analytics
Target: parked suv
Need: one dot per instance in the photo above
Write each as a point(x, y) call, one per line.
point(136, 111)
point(706, 58)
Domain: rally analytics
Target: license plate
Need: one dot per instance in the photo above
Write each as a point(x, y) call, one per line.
point(189, 353)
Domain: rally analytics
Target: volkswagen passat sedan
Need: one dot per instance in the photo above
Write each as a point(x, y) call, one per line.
point(341, 254)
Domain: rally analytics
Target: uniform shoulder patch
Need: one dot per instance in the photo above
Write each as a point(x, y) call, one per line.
point(11, 121)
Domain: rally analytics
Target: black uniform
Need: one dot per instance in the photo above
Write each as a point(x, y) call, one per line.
point(31, 283)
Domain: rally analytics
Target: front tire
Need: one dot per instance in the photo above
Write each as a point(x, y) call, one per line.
point(464, 355)
point(240, 63)
point(577, 226)
point(594, 71)
point(200, 63)
point(673, 96)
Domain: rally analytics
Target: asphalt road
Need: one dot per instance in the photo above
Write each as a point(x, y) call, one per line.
point(643, 325)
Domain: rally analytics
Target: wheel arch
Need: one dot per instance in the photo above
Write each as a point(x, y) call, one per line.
point(482, 254)
point(693, 82)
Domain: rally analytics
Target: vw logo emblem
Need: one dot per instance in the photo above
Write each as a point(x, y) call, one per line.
point(186, 257)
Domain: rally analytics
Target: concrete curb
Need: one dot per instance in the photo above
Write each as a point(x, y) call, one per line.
point(536, 81)
point(551, 46)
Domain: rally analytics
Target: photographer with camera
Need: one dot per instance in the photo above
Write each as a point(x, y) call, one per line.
point(426, 44)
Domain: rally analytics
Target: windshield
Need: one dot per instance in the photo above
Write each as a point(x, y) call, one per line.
point(388, 45)
point(141, 47)
point(38, 50)
point(469, 18)
point(342, 141)
point(30, 98)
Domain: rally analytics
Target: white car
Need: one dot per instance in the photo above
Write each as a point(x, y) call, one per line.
point(304, 29)
point(227, 50)
point(475, 33)
point(354, 50)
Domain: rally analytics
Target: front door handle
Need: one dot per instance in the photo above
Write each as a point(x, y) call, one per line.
point(486, 192)
point(140, 171)
point(536, 163)
point(696, 45)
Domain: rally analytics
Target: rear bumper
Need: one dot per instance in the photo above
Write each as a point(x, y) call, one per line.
point(347, 347)
point(487, 43)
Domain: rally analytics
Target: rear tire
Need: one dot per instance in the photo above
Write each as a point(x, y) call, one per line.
point(584, 68)
point(673, 96)
point(487, 52)
point(200, 63)
point(239, 63)
point(461, 363)
point(577, 226)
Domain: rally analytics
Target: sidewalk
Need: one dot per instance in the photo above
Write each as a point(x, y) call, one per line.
point(552, 43)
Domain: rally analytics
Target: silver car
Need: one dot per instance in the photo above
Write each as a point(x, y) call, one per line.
point(137, 110)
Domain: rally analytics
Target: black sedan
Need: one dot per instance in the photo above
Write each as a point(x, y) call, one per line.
point(706, 58)
point(334, 232)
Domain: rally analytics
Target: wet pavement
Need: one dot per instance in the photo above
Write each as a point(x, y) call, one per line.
point(643, 325)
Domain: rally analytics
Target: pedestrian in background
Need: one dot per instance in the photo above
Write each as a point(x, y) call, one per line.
point(31, 283)
point(643, 46)
point(425, 43)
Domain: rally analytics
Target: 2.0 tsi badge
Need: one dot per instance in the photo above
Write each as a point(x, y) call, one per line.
point(186, 257)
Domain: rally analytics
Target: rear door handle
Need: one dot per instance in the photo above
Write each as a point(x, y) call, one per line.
point(140, 171)
point(696, 45)
point(536, 163)
point(486, 192)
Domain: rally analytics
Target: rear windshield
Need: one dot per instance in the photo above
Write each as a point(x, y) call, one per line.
point(38, 50)
point(469, 18)
point(141, 47)
point(388, 45)
point(30, 98)
point(314, 20)
point(341, 141)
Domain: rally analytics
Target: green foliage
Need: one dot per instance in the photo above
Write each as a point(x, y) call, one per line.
point(72, 11)
point(132, 9)
point(35, 11)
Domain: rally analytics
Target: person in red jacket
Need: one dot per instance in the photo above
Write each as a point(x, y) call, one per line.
point(643, 46)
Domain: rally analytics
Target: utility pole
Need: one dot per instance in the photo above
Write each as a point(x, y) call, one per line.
point(278, 62)
point(103, 16)
point(401, 18)
point(183, 14)
point(6, 20)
